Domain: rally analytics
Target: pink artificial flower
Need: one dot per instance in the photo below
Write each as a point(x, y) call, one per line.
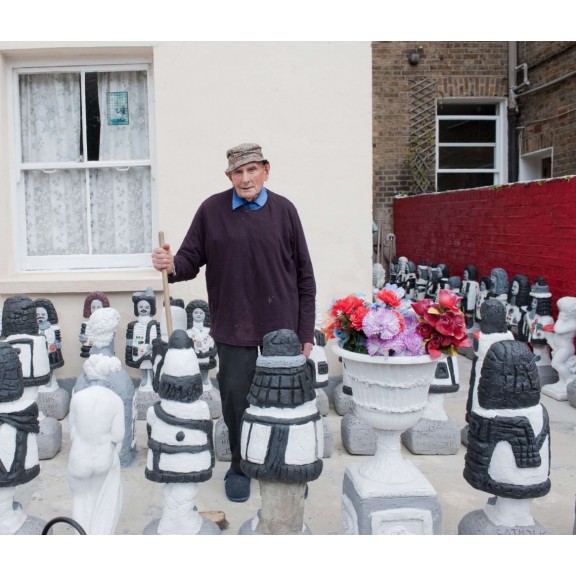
point(449, 299)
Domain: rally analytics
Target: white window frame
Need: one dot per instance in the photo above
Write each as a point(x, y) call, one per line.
point(76, 262)
point(500, 170)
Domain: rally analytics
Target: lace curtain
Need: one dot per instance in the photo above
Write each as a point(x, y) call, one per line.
point(56, 200)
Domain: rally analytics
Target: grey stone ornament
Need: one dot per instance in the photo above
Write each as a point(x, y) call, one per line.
point(180, 441)
point(282, 433)
point(19, 429)
point(508, 452)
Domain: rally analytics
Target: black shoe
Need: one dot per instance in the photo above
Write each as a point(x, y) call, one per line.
point(237, 486)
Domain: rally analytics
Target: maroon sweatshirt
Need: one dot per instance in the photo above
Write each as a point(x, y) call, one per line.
point(259, 275)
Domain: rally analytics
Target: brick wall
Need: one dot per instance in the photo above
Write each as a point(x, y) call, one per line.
point(547, 117)
point(525, 228)
point(454, 69)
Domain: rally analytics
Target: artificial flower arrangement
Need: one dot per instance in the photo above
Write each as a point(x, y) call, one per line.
point(394, 325)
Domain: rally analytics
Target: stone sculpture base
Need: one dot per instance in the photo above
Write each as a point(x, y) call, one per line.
point(212, 397)
point(282, 511)
point(557, 391)
point(322, 402)
point(250, 527)
point(221, 441)
point(464, 435)
point(50, 438)
point(145, 399)
point(208, 528)
point(547, 374)
point(477, 523)
point(432, 437)
point(357, 437)
point(54, 402)
point(328, 439)
point(404, 508)
point(571, 393)
point(343, 403)
point(32, 527)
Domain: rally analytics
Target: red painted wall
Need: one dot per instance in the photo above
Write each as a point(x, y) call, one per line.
point(526, 228)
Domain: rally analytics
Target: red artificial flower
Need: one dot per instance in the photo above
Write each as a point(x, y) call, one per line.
point(389, 297)
point(548, 328)
point(451, 324)
point(422, 306)
point(357, 317)
point(347, 305)
point(449, 299)
point(424, 329)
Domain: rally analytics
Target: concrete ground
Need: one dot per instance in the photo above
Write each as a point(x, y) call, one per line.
point(48, 495)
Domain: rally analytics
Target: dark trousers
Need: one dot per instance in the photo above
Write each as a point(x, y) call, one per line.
point(237, 365)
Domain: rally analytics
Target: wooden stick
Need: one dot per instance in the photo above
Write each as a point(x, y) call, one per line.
point(167, 309)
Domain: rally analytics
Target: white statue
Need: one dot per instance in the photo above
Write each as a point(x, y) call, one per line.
point(96, 435)
point(561, 336)
point(100, 331)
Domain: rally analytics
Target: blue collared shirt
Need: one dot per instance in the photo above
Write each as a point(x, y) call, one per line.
point(256, 204)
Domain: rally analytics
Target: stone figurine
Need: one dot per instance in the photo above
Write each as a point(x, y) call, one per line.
point(199, 325)
point(18, 443)
point(378, 276)
point(508, 453)
point(484, 289)
point(493, 328)
point(402, 271)
point(410, 281)
point(180, 441)
point(140, 334)
point(499, 288)
point(52, 400)
point(560, 336)
point(436, 432)
point(455, 284)
point(394, 266)
point(444, 283)
point(532, 328)
point(20, 329)
point(160, 345)
point(518, 300)
point(469, 292)
point(282, 436)
point(423, 277)
point(435, 277)
point(92, 302)
point(147, 396)
point(100, 330)
point(320, 360)
point(97, 430)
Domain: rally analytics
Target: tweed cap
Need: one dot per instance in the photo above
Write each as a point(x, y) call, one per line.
point(242, 154)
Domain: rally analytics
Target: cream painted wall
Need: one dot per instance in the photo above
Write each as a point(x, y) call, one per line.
point(307, 103)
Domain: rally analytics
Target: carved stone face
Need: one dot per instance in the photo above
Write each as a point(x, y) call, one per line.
point(143, 308)
point(198, 315)
point(466, 275)
point(515, 288)
point(95, 305)
point(41, 316)
point(482, 285)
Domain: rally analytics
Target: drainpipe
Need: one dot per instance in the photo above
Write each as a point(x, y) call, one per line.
point(513, 148)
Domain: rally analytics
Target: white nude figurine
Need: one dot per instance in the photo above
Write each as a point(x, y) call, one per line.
point(96, 435)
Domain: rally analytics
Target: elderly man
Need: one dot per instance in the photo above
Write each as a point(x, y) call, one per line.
point(259, 278)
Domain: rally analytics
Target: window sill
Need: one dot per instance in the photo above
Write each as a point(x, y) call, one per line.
point(108, 281)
